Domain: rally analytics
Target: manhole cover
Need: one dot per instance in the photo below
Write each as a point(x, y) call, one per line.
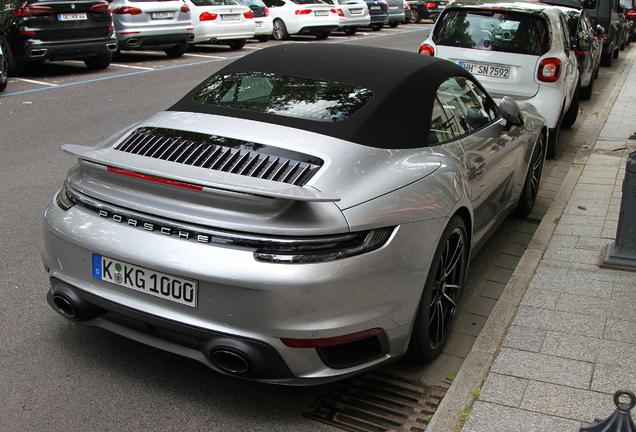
point(377, 402)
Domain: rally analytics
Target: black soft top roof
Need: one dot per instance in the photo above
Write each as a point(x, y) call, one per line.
point(403, 85)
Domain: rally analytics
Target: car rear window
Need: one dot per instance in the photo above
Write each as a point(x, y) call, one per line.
point(493, 30)
point(257, 3)
point(285, 95)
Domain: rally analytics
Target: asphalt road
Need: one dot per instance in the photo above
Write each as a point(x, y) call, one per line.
point(55, 375)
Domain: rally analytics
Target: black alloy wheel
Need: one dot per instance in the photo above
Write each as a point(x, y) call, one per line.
point(533, 180)
point(442, 293)
point(376, 26)
point(415, 16)
point(14, 67)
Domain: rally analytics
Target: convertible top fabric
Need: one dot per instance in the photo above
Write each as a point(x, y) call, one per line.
point(403, 84)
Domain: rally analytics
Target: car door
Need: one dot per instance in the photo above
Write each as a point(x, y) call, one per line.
point(493, 152)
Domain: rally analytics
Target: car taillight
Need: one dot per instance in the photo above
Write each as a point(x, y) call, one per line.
point(549, 70)
point(426, 49)
point(185, 8)
point(303, 12)
point(341, 13)
point(332, 341)
point(266, 11)
point(207, 16)
point(249, 15)
point(630, 14)
point(431, 5)
point(28, 11)
point(127, 10)
point(101, 7)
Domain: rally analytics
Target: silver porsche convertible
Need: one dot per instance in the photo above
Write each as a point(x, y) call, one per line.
point(279, 223)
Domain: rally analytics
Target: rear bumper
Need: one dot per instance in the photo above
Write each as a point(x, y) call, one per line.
point(136, 41)
point(36, 50)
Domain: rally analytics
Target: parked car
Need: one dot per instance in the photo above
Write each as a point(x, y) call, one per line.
point(626, 27)
point(629, 9)
point(515, 48)
point(262, 20)
point(408, 15)
point(221, 22)
point(587, 43)
point(302, 17)
point(396, 12)
point(153, 24)
point(606, 14)
point(33, 31)
point(279, 224)
point(427, 10)
point(379, 13)
point(352, 14)
point(4, 70)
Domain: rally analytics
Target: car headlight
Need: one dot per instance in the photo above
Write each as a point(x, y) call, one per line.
point(322, 249)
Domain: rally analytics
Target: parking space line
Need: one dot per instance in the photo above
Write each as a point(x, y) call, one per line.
point(36, 82)
point(130, 67)
point(204, 56)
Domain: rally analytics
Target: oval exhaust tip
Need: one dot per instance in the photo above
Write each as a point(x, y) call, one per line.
point(230, 360)
point(65, 305)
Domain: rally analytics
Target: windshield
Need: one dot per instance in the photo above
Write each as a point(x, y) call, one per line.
point(285, 95)
point(493, 30)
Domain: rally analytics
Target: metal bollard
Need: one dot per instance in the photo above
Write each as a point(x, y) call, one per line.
point(621, 254)
point(620, 421)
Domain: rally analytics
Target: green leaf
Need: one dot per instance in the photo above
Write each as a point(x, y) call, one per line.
point(451, 376)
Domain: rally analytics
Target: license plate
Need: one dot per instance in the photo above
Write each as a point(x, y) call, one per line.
point(259, 24)
point(321, 13)
point(165, 286)
point(375, 8)
point(356, 11)
point(230, 17)
point(72, 16)
point(394, 7)
point(162, 15)
point(485, 70)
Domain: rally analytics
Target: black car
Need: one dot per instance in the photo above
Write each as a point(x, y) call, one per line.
point(629, 10)
point(3, 70)
point(426, 9)
point(34, 31)
point(606, 14)
point(379, 12)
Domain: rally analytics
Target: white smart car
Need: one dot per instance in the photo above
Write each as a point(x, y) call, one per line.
point(518, 49)
point(302, 17)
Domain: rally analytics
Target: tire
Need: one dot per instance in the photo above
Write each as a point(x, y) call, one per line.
point(376, 26)
point(553, 141)
point(415, 16)
point(349, 31)
point(322, 35)
point(596, 72)
point(263, 38)
point(100, 61)
point(14, 67)
point(177, 50)
point(569, 118)
point(617, 51)
point(394, 24)
point(442, 292)
point(606, 58)
point(236, 44)
point(585, 93)
point(4, 73)
point(280, 31)
point(533, 180)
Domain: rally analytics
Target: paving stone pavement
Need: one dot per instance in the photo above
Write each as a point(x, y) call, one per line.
point(559, 336)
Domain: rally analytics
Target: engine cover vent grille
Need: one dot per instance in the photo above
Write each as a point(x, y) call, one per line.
point(217, 153)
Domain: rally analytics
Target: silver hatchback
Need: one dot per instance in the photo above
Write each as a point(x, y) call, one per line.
point(153, 24)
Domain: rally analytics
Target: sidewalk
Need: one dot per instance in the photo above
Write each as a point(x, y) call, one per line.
point(562, 337)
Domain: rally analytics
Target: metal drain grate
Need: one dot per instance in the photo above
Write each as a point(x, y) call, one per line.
point(377, 402)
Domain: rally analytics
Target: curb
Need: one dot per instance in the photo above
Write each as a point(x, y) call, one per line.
point(476, 366)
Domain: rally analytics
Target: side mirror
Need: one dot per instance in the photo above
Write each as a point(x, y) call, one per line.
point(600, 29)
point(511, 112)
point(583, 44)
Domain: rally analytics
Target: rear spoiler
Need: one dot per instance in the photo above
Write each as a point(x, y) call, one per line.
point(208, 180)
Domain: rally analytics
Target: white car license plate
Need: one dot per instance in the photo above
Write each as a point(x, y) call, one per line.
point(167, 287)
point(162, 15)
point(230, 17)
point(375, 8)
point(356, 11)
point(72, 16)
point(486, 70)
point(259, 24)
point(394, 7)
point(321, 13)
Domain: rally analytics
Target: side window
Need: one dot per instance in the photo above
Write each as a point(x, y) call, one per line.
point(440, 130)
point(566, 32)
point(465, 105)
